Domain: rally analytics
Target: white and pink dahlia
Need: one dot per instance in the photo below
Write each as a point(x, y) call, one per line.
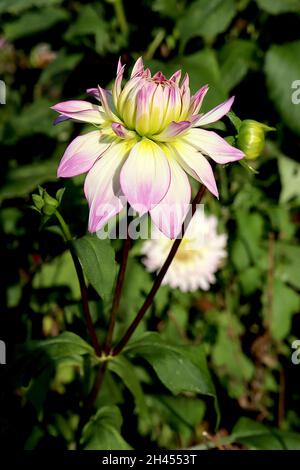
point(147, 138)
point(200, 254)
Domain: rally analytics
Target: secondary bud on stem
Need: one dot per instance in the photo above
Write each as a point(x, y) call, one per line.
point(251, 138)
point(45, 204)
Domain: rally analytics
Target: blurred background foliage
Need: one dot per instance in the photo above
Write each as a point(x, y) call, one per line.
point(52, 50)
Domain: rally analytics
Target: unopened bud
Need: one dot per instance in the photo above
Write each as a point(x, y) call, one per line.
point(51, 204)
point(38, 201)
point(46, 204)
point(251, 138)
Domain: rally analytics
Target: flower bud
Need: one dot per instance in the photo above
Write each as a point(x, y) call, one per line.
point(251, 138)
point(46, 204)
point(50, 204)
point(38, 201)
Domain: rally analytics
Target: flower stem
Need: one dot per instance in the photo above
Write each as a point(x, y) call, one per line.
point(121, 17)
point(156, 285)
point(159, 37)
point(96, 387)
point(64, 227)
point(82, 284)
point(118, 292)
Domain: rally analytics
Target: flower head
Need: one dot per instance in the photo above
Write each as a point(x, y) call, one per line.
point(148, 138)
point(199, 256)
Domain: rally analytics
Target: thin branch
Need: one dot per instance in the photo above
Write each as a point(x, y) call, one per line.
point(89, 403)
point(115, 307)
point(156, 285)
point(158, 39)
point(121, 16)
point(82, 285)
point(96, 387)
point(85, 301)
point(118, 292)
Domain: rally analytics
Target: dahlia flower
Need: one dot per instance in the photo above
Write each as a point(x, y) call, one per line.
point(147, 138)
point(199, 256)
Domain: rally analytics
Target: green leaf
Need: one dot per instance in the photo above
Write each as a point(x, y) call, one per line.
point(24, 179)
point(239, 255)
point(37, 118)
point(275, 7)
point(202, 68)
point(58, 272)
point(64, 62)
point(180, 414)
point(290, 179)
point(91, 23)
point(17, 6)
point(102, 432)
point(250, 229)
point(39, 360)
point(205, 19)
point(34, 438)
point(235, 120)
point(255, 435)
point(228, 357)
point(250, 280)
point(180, 368)
point(287, 263)
point(290, 440)
point(235, 60)
point(34, 22)
point(66, 346)
point(137, 282)
point(38, 389)
point(282, 222)
point(97, 258)
point(184, 412)
point(111, 392)
point(86, 23)
point(282, 66)
point(258, 436)
point(169, 8)
point(285, 303)
point(125, 370)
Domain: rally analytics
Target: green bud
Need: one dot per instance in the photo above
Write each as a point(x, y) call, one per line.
point(251, 138)
point(46, 204)
point(51, 204)
point(38, 201)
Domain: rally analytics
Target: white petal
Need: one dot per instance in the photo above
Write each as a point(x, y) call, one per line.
point(213, 145)
point(138, 68)
point(216, 113)
point(196, 165)
point(145, 176)
point(170, 213)
point(81, 154)
point(80, 111)
point(102, 186)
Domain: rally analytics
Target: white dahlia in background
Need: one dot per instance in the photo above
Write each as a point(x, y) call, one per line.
point(199, 256)
point(147, 138)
